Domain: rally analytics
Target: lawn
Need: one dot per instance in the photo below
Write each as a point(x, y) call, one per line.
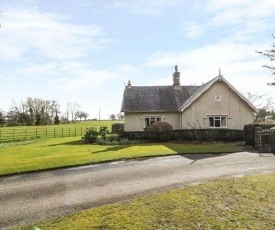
point(70, 151)
point(243, 203)
point(19, 133)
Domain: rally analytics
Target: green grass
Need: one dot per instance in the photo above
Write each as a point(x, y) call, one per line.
point(18, 133)
point(243, 203)
point(63, 152)
point(97, 124)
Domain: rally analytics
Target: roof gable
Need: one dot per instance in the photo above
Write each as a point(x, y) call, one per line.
point(207, 85)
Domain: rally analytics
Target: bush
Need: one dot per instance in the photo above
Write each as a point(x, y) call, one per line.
point(208, 135)
point(91, 135)
point(103, 131)
point(249, 132)
point(158, 131)
point(117, 127)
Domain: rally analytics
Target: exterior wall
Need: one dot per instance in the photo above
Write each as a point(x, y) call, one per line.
point(136, 121)
point(239, 113)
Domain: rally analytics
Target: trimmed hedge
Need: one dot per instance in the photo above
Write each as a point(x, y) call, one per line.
point(208, 135)
point(158, 131)
point(194, 135)
point(117, 127)
point(137, 135)
point(249, 132)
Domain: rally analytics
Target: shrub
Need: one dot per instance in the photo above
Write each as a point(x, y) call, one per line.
point(91, 135)
point(103, 131)
point(158, 131)
point(117, 127)
point(208, 135)
point(249, 132)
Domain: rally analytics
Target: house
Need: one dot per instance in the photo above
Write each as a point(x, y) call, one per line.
point(216, 104)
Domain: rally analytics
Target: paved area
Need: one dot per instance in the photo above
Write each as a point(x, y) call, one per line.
point(31, 197)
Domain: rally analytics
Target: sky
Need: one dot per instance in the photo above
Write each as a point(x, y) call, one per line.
point(85, 51)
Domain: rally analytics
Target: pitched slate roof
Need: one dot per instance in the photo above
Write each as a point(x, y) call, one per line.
point(155, 98)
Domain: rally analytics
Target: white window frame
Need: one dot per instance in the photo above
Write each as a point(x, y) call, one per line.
point(217, 121)
point(151, 119)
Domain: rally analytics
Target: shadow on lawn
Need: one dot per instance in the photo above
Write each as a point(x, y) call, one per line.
point(172, 146)
point(78, 142)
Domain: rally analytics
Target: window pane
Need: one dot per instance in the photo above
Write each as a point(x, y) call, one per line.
point(147, 121)
point(211, 121)
point(158, 119)
point(223, 120)
point(217, 122)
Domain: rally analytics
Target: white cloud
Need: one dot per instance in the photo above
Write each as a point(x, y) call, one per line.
point(129, 69)
point(86, 79)
point(29, 31)
point(239, 63)
point(245, 18)
point(152, 7)
point(192, 30)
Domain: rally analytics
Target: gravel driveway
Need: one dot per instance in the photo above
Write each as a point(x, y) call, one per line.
point(35, 196)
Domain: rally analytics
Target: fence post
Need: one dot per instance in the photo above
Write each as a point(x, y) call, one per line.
point(26, 134)
point(0, 135)
point(13, 135)
point(54, 132)
point(36, 133)
point(75, 131)
point(81, 131)
point(62, 131)
point(46, 133)
point(69, 132)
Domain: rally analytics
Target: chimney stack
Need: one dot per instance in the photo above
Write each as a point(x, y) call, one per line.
point(129, 84)
point(176, 78)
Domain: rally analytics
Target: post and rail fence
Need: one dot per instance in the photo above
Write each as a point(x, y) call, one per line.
point(8, 135)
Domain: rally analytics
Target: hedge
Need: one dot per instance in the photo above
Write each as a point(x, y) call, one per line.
point(194, 135)
point(249, 132)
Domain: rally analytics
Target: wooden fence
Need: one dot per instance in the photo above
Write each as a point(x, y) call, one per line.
point(7, 135)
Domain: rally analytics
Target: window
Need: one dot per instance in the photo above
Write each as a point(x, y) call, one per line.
point(218, 97)
point(218, 122)
point(150, 120)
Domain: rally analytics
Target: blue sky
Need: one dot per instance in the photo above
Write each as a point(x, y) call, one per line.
point(85, 51)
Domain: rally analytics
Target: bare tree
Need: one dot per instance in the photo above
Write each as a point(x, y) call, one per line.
point(120, 116)
point(270, 54)
point(73, 110)
point(265, 106)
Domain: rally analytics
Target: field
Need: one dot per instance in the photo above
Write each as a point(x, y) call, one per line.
point(19, 133)
point(243, 203)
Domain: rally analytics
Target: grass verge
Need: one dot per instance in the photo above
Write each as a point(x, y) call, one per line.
point(243, 203)
point(64, 152)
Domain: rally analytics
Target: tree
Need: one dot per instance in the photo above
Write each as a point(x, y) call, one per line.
point(81, 114)
point(120, 116)
point(270, 54)
point(265, 106)
point(112, 116)
point(73, 109)
point(33, 111)
point(2, 118)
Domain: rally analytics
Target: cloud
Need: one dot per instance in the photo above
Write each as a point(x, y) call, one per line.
point(31, 32)
point(245, 18)
point(129, 69)
point(192, 30)
point(85, 79)
point(153, 7)
point(239, 63)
